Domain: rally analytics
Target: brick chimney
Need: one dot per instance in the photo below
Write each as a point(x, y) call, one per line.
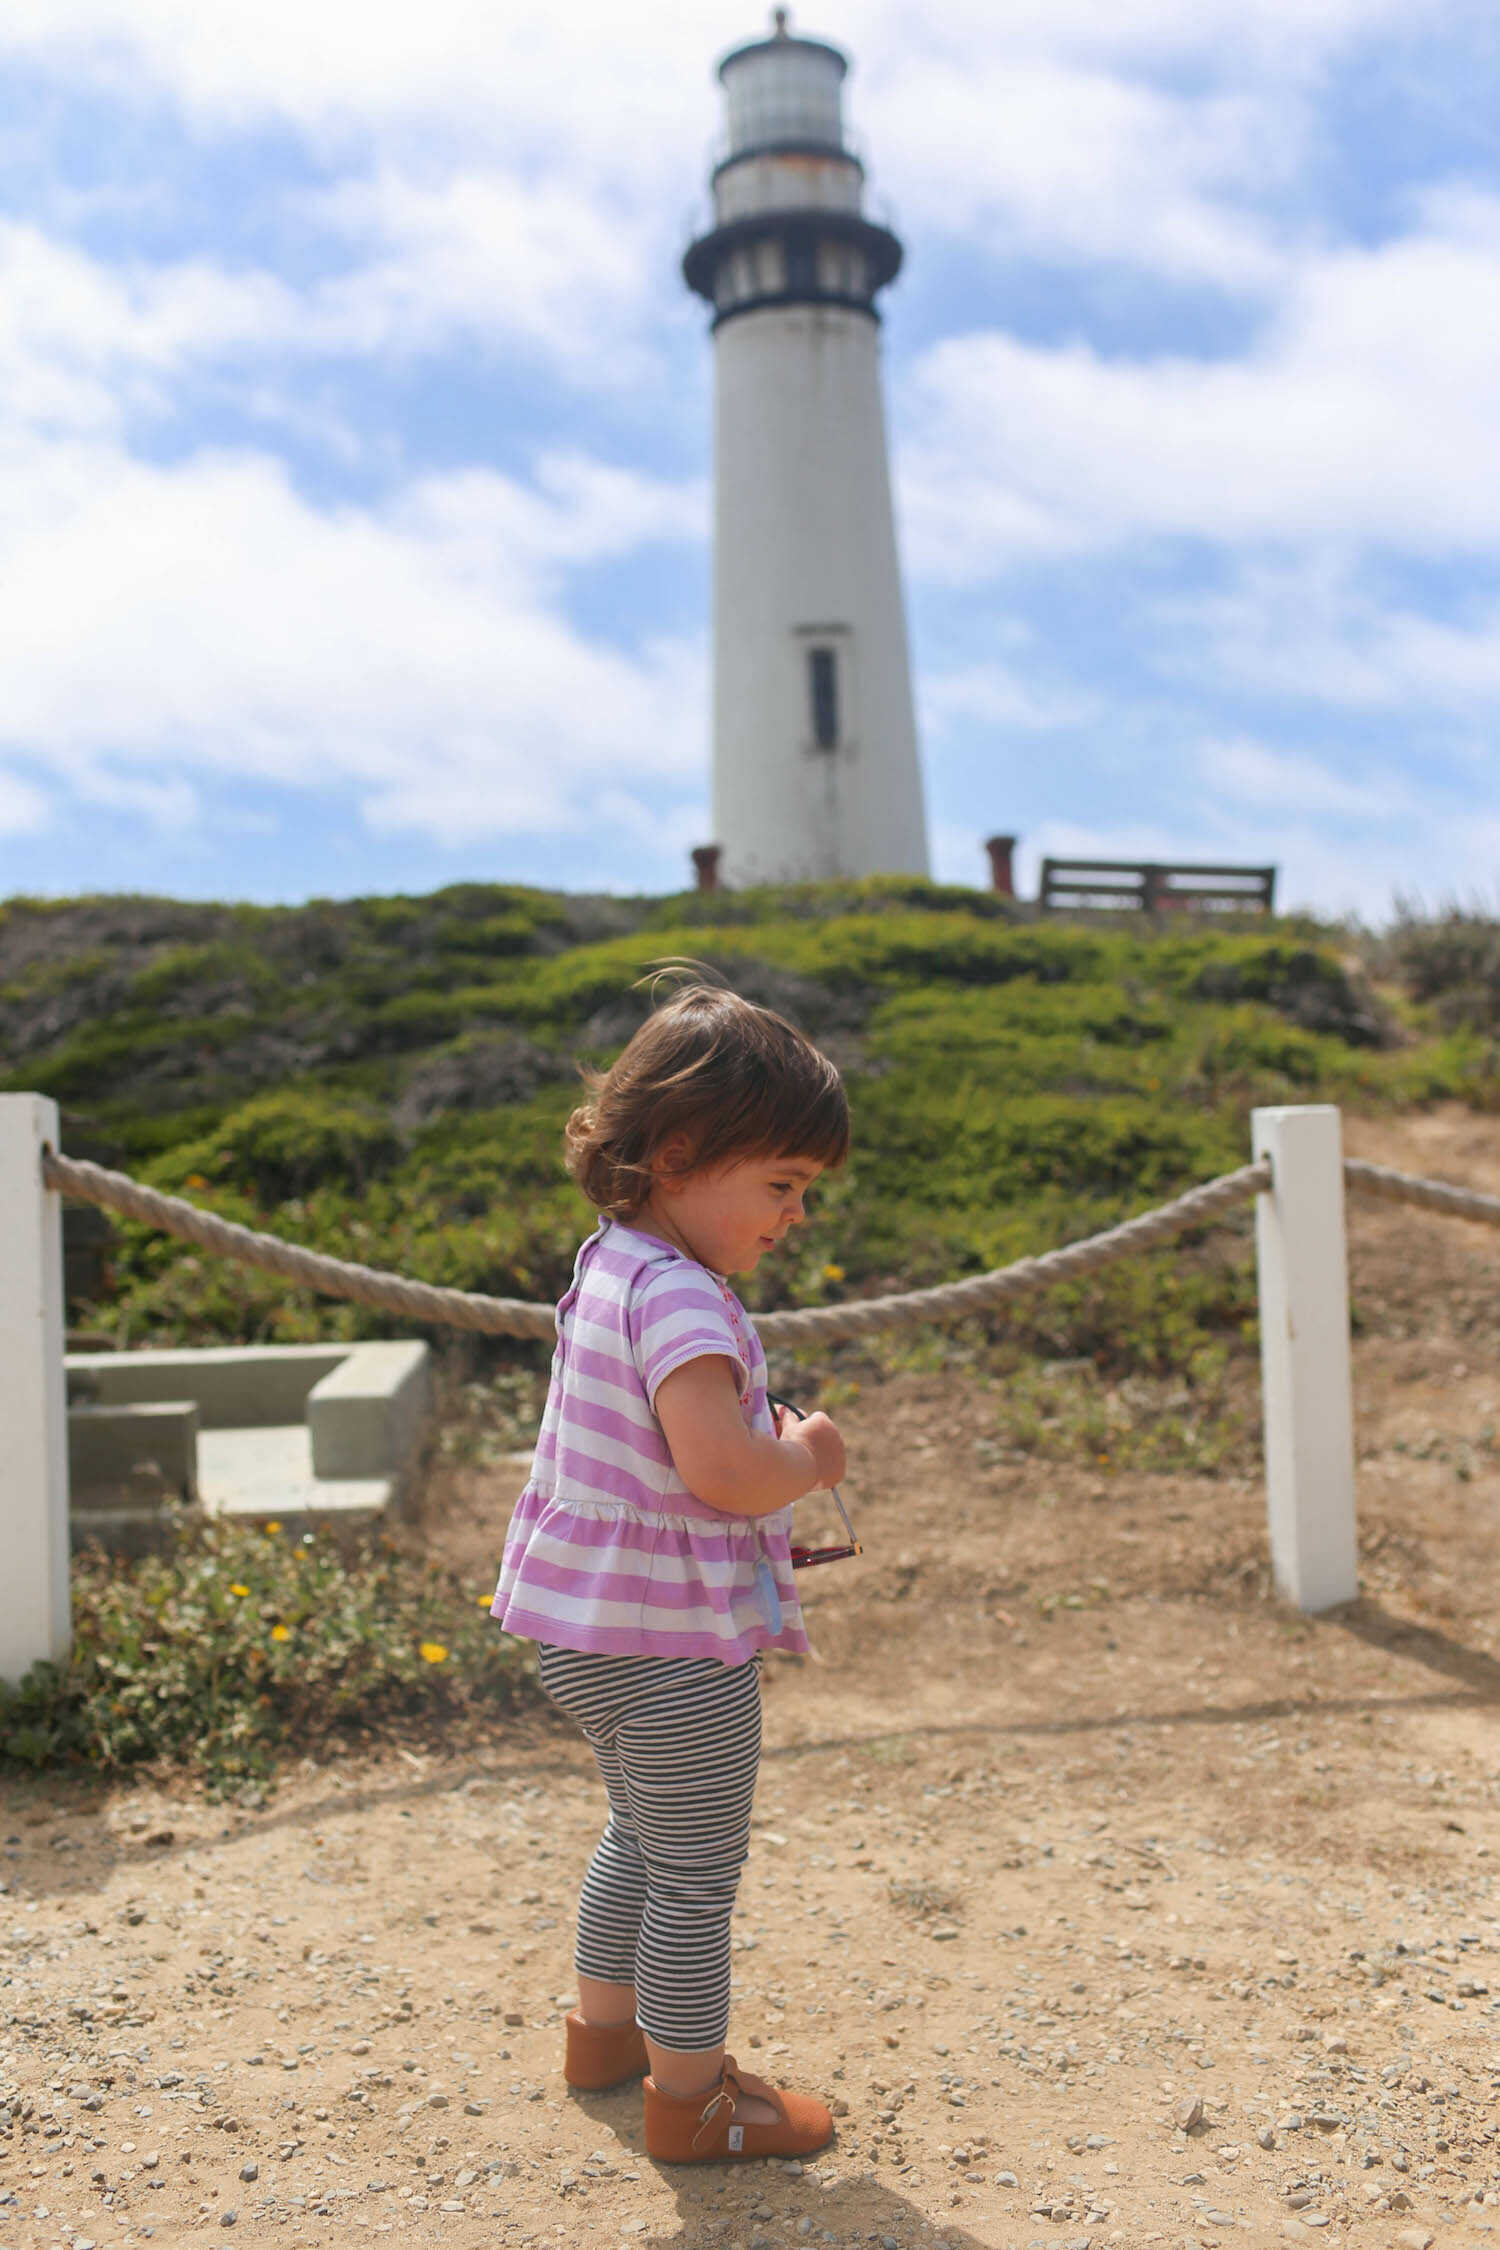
point(1002, 875)
point(706, 859)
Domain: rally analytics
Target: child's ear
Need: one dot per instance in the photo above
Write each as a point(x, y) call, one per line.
point(671, 1162)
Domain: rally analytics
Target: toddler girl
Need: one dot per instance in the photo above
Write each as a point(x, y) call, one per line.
point(648, 1556)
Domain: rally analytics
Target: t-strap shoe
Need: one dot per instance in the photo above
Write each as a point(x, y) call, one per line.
point(703, 2128)
point(601, 2055)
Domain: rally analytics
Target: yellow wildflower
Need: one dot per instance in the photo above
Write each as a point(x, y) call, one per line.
point(281, 1632)
point(833, 1273)
point(433, 1652)
point(272, 1529)
point(240, 1590)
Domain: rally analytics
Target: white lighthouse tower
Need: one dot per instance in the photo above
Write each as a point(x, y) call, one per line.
point(815, 746)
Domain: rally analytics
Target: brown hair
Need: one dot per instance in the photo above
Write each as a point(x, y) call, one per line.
point(733, 1078)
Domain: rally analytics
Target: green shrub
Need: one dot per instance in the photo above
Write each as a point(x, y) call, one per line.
point(196, 980)
point(240, 1643)
point(283, 1145)
point(1451, 960)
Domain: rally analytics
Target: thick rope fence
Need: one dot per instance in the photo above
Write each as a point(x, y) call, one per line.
point(509, 1316)
point(1431, 1195)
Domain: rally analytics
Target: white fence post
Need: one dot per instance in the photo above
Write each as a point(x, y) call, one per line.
point(35, 1597)
point(1304, 1356)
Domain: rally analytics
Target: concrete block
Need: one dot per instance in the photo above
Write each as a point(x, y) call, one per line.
point(236, 1386)
point(108, 1445)
point(366, 1418)
point(299, 1432)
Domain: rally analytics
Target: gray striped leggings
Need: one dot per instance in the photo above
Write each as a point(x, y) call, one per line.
point(677, 1740)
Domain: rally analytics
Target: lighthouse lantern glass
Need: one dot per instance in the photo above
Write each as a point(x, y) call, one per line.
point(784, 91)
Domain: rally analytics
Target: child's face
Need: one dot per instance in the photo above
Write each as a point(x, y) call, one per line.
point(729, 1215)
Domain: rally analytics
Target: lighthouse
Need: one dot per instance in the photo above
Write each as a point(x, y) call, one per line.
point(815, 770)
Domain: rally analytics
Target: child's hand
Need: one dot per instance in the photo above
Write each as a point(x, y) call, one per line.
point(822, 1440)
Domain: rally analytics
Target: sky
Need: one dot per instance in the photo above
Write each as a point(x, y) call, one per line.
point(355, 431)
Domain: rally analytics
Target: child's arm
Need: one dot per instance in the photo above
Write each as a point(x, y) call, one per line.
point(741, 1471)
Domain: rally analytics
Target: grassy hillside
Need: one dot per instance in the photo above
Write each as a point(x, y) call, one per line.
point(386, 1078)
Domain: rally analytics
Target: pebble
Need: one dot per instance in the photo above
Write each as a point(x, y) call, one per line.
point(1188, 2113)
point(1414, 2238)
point(229, 2218)
point(249, 2171)
point(1265, 2138)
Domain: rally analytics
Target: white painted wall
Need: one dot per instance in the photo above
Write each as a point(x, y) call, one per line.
point(804, 536)
point(804, 182)
point(35, 1599)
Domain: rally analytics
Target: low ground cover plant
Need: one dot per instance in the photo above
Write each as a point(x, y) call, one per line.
point(237, 1643)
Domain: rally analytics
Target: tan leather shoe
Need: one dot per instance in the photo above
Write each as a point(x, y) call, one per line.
point(704, 2127)
point(600, 2055)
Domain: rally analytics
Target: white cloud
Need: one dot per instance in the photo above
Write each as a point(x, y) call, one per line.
point(1285, 782)
point(1089, 166)
point(82, 342)
point(997, 695)
point(23, 807)
point(86, 343)
point(1276, 36)
point(490, 255)
point(343, 61)
point(1317, 629)
point(205, 619)
point(1362, 413)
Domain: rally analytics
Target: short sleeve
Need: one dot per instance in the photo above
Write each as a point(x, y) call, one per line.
point(678, 1313)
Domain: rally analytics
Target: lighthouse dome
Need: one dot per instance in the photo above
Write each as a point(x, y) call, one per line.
point(784, 92)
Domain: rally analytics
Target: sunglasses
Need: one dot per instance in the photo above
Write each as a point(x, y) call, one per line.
point(804, 1557)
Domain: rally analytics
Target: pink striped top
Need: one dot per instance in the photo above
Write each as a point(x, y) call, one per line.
point(608, 1550)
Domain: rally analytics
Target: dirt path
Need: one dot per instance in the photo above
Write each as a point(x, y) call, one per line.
point(1069, 1836)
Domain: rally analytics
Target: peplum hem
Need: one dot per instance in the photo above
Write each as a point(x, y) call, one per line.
point(608, 1578)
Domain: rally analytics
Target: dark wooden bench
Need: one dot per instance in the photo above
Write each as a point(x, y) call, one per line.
point(1155, 886)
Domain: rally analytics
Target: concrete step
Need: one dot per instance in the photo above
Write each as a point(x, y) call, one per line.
point(268, 1472)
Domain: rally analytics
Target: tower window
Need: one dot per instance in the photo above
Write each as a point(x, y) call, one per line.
point(801, 269)
point(823, 695)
